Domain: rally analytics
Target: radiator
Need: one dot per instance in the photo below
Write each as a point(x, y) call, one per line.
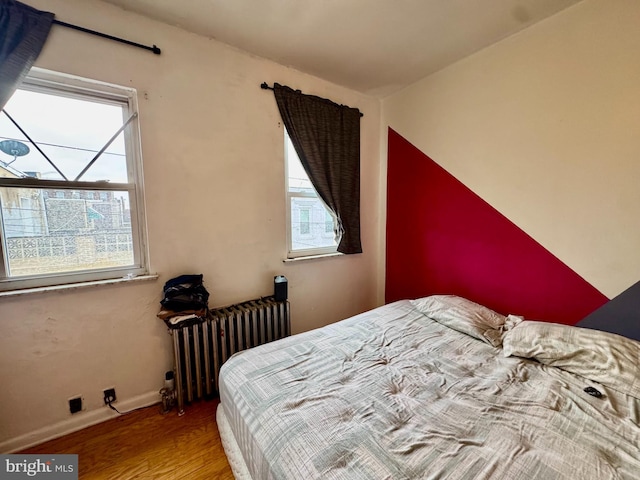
point(201, 348)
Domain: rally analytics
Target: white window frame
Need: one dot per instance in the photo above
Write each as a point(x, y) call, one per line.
point(61, 84)
point(307, 252)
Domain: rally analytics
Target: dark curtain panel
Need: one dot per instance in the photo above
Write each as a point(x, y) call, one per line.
point(23, 31)
point(326, 137)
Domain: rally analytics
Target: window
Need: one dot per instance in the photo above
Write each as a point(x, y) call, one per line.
point(71, 199)
point(329, 224)
point(305, 221)
point(308, 218)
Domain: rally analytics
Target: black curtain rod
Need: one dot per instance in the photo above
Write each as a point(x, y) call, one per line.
point(153, 49)
point(265, 86)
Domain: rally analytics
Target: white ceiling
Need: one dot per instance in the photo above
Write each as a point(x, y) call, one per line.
point(372, 46)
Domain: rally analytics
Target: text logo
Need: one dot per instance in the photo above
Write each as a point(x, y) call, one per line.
point(50, 467)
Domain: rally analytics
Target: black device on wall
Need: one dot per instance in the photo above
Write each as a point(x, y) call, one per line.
point(280, 288)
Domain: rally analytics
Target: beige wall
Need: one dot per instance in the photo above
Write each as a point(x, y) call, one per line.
point(545, 126)
point(214, 180)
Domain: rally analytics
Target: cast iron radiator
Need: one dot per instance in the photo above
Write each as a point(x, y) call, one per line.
point(201, 347)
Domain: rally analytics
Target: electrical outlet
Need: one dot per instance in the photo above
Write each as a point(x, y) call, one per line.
point(75, 404)
point(109, 396)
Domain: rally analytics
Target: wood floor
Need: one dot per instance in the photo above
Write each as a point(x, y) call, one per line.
point(147, 445)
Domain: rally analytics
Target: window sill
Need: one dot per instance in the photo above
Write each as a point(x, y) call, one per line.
point(312, 257)
point(79, 285)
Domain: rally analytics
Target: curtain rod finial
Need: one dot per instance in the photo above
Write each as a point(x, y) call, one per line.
point(156, 50)
point(265, 86)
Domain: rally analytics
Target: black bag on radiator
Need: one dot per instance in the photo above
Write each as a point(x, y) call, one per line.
point(185, 292)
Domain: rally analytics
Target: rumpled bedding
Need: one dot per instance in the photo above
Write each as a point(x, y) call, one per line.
point(392, 394)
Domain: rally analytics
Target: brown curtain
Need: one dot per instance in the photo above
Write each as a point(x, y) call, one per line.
point(23, 31)
point(326, 137)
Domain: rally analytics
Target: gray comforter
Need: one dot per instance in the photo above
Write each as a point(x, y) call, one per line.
point(392, 394)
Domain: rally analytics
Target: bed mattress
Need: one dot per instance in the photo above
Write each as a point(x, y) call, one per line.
point(392, 394)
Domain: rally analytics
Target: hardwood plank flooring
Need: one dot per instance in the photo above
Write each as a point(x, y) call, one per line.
point(145, 444)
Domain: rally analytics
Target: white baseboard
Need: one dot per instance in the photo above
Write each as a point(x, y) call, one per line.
point(76, 422)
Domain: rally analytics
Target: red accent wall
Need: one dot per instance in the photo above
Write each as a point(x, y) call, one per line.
point(444, 239)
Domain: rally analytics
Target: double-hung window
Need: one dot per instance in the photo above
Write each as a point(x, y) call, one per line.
point(310, 225)
point(71, 199)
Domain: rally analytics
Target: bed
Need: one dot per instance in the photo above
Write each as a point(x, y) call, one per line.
point(435, 388)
